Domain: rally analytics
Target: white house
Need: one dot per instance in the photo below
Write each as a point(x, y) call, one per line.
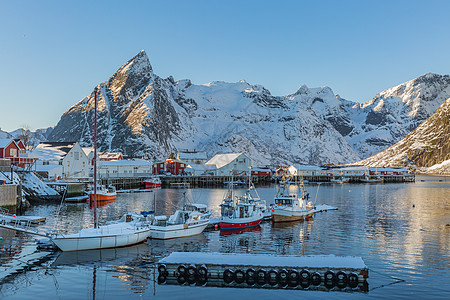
point(200, 169)
point(192, 157)
point(306, 171)
point(239, 163)
point(124, 168)
point(352, 171)
point(61, 160)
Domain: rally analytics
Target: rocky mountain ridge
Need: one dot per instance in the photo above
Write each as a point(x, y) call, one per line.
point(143, 114)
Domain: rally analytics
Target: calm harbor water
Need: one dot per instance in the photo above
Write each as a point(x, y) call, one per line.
point(402, 232)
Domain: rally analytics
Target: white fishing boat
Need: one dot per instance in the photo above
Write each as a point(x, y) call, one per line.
point(291, 207)
point(340, 179)
point(101, 237)
point(371, 179)
point(181, 224)
point(192, 219)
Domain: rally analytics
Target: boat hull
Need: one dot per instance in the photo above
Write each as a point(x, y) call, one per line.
point(239, 223)
point(151, 185)
point(283, 215)
point(177, 231)
point(103, 197)
point(101, 240)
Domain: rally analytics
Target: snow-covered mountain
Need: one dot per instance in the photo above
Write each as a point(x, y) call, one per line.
point(32, 138)
point(393, 113)
point(427, 146)
point(143, 114)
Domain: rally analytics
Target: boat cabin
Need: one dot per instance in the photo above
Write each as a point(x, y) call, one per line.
point(181, 217)
point(285, 200)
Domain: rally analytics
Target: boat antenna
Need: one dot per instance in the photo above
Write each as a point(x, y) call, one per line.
point(317, 193)
point(95, 157)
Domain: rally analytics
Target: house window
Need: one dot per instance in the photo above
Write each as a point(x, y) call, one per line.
point(77, 157)
point(68, 163)
point(84, 164)
point(13, 152)
point(71, 154)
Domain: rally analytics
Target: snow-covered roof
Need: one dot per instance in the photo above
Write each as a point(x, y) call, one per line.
point(53, 150)
point(388, 169)
point(221, 160)
point(192, 155)
point(110, 155)
point(46, 168)
point(201, 167)
point(87, 150)
point(355, 168)
point(5, 142)
point(125, 162)
point(305, 168)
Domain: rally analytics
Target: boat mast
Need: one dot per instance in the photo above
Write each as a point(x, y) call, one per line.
point(95, 158)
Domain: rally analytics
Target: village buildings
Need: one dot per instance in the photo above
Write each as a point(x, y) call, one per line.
point(61, 160)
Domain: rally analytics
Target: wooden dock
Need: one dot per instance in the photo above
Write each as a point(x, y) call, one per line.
point(315, 272)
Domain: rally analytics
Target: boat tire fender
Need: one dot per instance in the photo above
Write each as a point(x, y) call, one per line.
point(293, 278)
point(316, 279)
point(228, 276)
point(239, 276)
point(181, 269)
point(272, 277)
point(261, 277)
point(250, 275)
point(162, 269)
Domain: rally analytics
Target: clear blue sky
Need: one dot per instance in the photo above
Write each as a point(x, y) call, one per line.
point(53, 53)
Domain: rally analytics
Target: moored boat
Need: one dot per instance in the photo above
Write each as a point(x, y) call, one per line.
point(118, 234)
point(291, 207)
point(181, 224)
point(340, 179)
point(152, 183)
point(371, 179)
point(103, 193)
point(246, 211)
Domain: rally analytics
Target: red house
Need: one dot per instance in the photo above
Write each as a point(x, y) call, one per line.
point(14, 150)
point(8, 148)
point(172, 166)
point(261, 172)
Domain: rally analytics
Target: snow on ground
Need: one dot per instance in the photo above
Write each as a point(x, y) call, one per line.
point(312, 261)
point(32, 184)
point(443, 168)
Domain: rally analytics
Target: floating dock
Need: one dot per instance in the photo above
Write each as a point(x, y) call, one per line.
point(315, 272)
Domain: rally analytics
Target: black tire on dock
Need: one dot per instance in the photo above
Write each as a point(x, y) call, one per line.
point(181, 269)
point(181, 279)
point(353, 280)
point(316, 279)
point(202, 280)
point(283, 278)
point(239, 276)
point(162, 269)
point(304, 275)
point(341, 279)
point(272, 277)
point(250, 275)
point(293, 278)
point(228, 276)
point(161, 278)
point(329, 276)
point(261, 277)
point(202, 271)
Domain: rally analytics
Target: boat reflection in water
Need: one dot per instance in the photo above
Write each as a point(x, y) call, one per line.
point(102, 203)
point(239, 231)
point(184, 244)
point(129, 264)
